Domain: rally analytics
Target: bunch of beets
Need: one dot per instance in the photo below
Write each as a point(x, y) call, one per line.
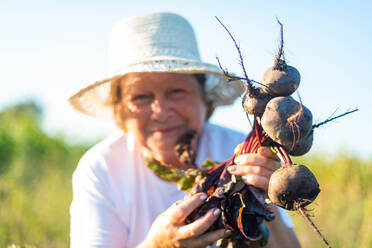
point(285, 125)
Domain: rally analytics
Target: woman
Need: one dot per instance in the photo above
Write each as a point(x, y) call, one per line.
point(157, 89)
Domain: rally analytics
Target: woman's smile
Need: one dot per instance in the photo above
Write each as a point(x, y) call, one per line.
point(166, 130)
point(161, 107)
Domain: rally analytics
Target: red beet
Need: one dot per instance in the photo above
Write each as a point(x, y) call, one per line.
point(281, 80)
point(286, 121)
point(256, 104)
point(302, 146)
point(293, 186)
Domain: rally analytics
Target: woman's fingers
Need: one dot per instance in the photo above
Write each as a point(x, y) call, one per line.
point(257, 176)
point(257, 160)
point(238, 148)
point(257, 181)
point(199, 226)
point(264, 151)
point(180, 210)
point(267, 152)
point(249, 169)
point(206, 239)
point(256, 168)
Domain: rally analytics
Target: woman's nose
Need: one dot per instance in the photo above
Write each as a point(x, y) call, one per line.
point(161, 109)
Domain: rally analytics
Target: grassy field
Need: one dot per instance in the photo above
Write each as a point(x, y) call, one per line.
point(343, 209)
point(35, 188)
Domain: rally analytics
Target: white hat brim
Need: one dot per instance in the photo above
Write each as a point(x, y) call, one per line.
point(93, 99)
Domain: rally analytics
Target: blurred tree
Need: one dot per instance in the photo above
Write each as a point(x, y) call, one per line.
point(35, 179)
point(7, 151)
point(23, 142)
point(11, 120)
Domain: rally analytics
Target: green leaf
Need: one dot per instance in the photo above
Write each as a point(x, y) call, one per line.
point(208, 163)
point(184, 179)
point(164, 172)
point(186, 183)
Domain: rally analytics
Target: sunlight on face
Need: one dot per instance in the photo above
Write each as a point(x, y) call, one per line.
point(159, 108)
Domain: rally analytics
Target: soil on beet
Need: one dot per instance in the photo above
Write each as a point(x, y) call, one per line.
point(286, 121)
point(293, 186)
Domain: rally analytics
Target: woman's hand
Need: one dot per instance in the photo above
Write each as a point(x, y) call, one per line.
point(169, 228)
point(256, 168)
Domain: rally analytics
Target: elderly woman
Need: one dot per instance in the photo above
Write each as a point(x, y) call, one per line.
point(156, 90)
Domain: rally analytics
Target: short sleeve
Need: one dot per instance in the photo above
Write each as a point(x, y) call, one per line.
point(285, 217)
point(94, 218)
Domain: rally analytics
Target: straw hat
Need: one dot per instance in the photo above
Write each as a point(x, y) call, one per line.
point(157, 42)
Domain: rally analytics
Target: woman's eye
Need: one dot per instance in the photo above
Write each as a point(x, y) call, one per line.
point(140, 97)
point(178, 91)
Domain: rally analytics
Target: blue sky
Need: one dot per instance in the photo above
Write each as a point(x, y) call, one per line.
point(48, 49)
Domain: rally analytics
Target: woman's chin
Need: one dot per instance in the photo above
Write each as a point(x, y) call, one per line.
point(165, 156)
point(170, 161)
point(164, 151)
point(163, 147)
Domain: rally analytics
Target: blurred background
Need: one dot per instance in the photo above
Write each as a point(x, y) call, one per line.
point(49, 49)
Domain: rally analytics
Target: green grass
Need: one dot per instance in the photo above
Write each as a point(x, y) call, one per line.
point(35, 189)
point(343, 209)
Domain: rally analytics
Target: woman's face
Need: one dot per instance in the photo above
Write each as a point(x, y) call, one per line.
point(160, 107)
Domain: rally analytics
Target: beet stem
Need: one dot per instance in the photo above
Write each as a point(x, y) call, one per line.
point(249, 144)
point(252, 145)
point(280, 52)
point(249, 84)
point(256, 130)
point(246, 144)
point(225, 72)
point(302, 211)
point(255, 146)
point(333, 118)
point(283, 155)
point(299, 97)
point(240, 78)
point(279, 154)
point(288, 158)
point(247, 115)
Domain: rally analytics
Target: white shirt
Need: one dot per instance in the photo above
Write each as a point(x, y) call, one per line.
point(116, 197)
